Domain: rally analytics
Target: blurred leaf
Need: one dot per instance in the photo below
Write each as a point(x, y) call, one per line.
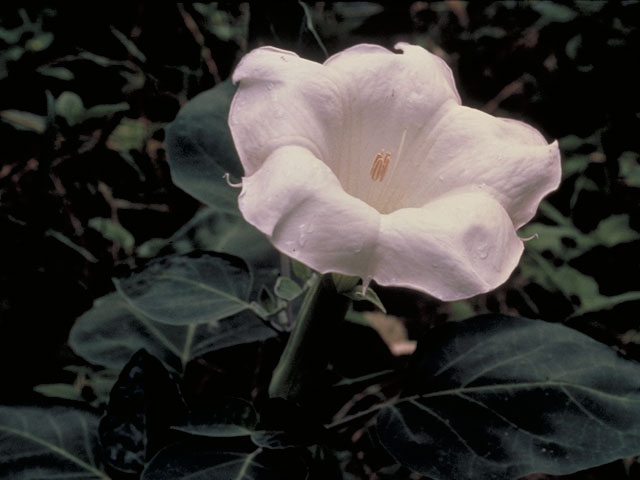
point(205, 460)
point(500, 397)
point(11, 36)
point(53, 442)
point(629, 168)
point(40, 42)
point(13, 53)
point(310, 24)
point(201, 150)
point(130, 134)
point(59, 390)
point(565, 241)
point(287, 289)
point(99, 111)
point(60, 73)
point(553, 12)
point(189, 289)
point(111, 332)
point(572, 47)
point(114, 232)
point(143, 403)
point(69, 106)
point(86, 254)
point(25, 120)
point(229, 417)
point(129, 45)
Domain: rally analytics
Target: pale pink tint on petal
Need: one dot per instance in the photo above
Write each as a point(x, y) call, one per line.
point(283, 100)
point(297, 201)
point(469, 147)
point(455, 247)
point(389, 100)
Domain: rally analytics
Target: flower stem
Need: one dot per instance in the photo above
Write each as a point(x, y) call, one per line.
point(305, 358)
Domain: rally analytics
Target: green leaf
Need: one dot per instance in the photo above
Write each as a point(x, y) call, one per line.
point(610, 232)
point(369, 296)
point(287, 289)
point(553, 12)
point(60, 73)
point(213, 230)
point(230, 417)
point(114, 232)
point(99, 111)
point(189, 289)
point(69, 106)
point(205, 460)
point(25, 120)
point(629, 168)
point(200, 149)
point(40, 42)
point(59, 390)
point(111, 332)
point(501, 397)
point(54, 442)
point(129, 45)
point(130, 134)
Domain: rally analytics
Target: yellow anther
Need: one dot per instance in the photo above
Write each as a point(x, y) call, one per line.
point(380, 165)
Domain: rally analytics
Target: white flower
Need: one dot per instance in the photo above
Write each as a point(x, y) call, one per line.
point(367, 165)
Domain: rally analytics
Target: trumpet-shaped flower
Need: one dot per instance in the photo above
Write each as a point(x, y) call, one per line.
point(368, 165)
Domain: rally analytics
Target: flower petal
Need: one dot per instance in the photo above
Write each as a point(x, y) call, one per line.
point(389, 99)
point(297, 201)
point(457, 246)
point(469, 147)
point(283, 100)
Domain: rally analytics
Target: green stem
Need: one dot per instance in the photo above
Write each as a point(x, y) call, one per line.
point(305, 358)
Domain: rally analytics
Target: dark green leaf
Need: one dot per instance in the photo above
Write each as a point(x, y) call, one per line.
point(189, 289)
point(111, 332)
point(287, 289)
point(54, 442)
point(553, 12)
point(218, 231)
point(369, 296)
point(499, 397)
point(230, 417)
point(143, 403)
point(201, 149)
point(200, 460)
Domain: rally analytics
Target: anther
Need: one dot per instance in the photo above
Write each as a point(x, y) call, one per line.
point(380, 166)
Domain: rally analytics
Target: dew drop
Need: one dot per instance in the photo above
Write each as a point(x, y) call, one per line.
point(441, 178)
point(483, 251)
point(270, 86)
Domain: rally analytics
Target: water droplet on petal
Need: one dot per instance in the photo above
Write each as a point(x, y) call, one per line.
point(270, 86)
point(482, 251)
point(441, 178)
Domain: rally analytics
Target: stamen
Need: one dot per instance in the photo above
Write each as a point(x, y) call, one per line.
point(380, 165)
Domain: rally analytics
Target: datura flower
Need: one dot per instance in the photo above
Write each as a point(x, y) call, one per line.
point(367, 165)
